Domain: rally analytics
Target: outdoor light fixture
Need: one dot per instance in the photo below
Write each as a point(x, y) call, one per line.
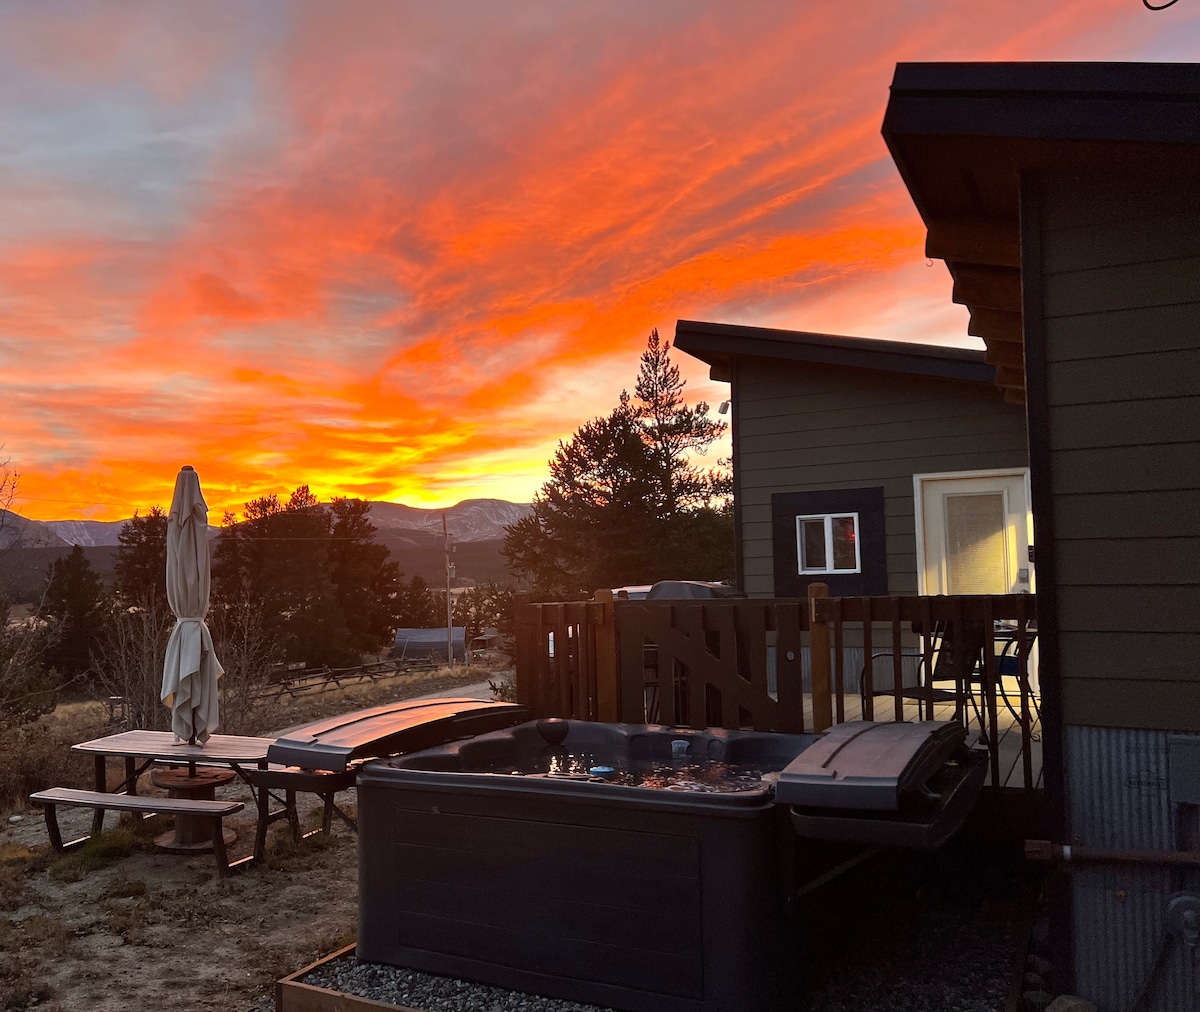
point(723, 408)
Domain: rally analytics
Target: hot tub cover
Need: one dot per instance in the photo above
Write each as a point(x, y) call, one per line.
point(868, 765)
point(389, 729)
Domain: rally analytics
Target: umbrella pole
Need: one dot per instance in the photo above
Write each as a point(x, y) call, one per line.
point(192, 762)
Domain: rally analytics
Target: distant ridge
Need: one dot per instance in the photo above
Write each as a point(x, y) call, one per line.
point(17, 532)
point(469, 520)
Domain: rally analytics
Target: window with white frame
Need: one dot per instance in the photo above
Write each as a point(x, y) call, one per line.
point(828, 543)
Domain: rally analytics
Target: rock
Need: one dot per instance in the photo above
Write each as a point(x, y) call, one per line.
point(1039, 965)
point(14, 819)
point(1069, 1003)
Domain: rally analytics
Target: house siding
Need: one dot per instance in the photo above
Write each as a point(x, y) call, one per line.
point(1121, 316)
point(802, 427)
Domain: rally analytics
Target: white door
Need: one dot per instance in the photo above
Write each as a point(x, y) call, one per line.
point(973, 533)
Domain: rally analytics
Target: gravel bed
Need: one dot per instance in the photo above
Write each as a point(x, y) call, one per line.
point(922, 933)
point(431, 993)
point(904, 933)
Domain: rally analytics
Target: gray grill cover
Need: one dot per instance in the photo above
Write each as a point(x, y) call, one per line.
point(390, 729)
point(865, 765)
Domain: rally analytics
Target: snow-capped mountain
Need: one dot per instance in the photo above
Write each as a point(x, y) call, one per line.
point(17, 532)
point(88, 533)
point(470, 520)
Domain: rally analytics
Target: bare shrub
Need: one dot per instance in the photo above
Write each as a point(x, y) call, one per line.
point(27, 690)
point(35, 756)
point(246, 651)
point(128, 662)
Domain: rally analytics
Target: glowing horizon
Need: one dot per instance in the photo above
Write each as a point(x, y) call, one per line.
point(399, 251)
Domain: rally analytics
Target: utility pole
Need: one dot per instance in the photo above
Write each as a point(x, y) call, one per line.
point(449, 601)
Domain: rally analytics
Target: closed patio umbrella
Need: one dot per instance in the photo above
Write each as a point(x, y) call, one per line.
point(191, 669)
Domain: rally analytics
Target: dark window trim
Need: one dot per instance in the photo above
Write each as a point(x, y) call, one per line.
point(868, 503)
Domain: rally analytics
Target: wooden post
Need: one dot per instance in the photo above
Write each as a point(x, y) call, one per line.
point(608, 685)
point(818, 638)
point(528, 658)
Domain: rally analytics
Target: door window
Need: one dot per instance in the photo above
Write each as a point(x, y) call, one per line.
point(976, 546)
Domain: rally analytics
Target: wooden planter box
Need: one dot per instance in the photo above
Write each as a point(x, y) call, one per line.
point(293, 996)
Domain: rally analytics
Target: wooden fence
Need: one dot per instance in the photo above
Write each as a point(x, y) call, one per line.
point(790, 665)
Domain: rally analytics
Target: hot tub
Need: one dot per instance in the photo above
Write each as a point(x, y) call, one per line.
point(640, 867)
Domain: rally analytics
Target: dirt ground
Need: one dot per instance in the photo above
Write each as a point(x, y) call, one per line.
point(119, 926)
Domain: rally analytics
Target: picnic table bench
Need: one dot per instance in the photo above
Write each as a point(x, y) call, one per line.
point(102, 801)
point(321, 758)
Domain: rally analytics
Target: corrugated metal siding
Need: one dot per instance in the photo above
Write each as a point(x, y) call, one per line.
point(1121, 276)
point(810, 427)
point(1117, 790)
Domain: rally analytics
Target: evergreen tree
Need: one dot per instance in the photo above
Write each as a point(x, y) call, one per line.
point(141, 561)
point(364, 578)
point(594, 521)
point(75, 599)
point(417, 606)
point(483, 607)
point(673, 431)
point(325, 590)
point(624, 502)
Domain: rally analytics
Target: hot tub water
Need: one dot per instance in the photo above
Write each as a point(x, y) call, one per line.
point(704, 776)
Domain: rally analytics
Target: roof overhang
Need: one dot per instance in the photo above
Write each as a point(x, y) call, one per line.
point(963, 134)
point(719, 343)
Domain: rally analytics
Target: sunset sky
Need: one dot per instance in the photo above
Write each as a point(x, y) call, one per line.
point(398, 250)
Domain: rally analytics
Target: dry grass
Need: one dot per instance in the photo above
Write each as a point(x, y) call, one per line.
point(87, 919)
point(99, 852)
point(38, 755)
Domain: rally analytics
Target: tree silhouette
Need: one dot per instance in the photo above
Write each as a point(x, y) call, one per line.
point(141, 560)
point(625, 502)
point(75, 599)
point(324, 589)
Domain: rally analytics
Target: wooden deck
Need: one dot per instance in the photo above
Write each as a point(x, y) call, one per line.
point(784, 664)
point(1008, 729)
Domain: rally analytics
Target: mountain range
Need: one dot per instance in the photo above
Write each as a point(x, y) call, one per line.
point(472, 520)
point(412, 535)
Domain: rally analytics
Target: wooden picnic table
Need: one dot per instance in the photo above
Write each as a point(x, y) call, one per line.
point(142, 749)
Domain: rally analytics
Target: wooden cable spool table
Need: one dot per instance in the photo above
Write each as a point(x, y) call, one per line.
point(192, 834)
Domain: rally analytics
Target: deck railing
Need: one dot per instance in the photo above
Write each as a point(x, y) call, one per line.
point(790, 665)
point(989, 676)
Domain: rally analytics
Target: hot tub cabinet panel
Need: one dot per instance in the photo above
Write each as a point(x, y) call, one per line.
point(634, 898)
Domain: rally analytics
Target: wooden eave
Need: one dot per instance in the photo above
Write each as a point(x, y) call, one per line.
point(964, 135)
point(719, 344)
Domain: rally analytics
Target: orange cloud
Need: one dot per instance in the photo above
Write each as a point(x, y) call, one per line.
point(400, 250)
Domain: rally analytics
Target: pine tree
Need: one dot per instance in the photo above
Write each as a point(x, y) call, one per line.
point(325, 590)
point(624, 502)
point(141, 561)
point(364, 577)
point(75, 599)
point(673, 430)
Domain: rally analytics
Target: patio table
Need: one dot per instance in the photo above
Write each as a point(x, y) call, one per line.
point(234, 751)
